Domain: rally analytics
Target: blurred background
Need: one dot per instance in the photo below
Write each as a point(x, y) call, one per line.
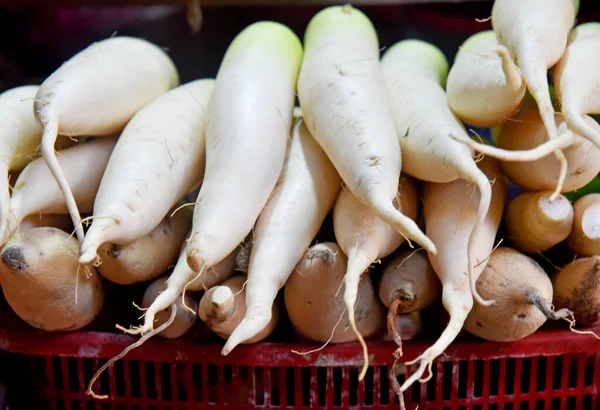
point(36, 36)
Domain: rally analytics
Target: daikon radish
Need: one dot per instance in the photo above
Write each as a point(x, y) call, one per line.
point(248, 129)
point(576, 77)
point(524, 293)
point(59, 221)
point(316, 311)
point(306, 191)
point(414, 71)
point(223, 307)
point(161, 150)
point(342, 94)
point(184, 319)
point(584, 239)
point(148, 257)
point(182, 274)
point(96, 92)
point(365, 238)
point(36, 190)
point(450, 213)
point(535, 33)
point(484, 85)
point(577, 288)
point(535, 224)
point(43, 283)
point(408, 284)
point(20, 138)
point(526, 132)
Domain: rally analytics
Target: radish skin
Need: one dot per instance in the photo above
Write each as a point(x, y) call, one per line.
point(223, 307)
point(528, 131)
point(524, 293)
point(97, 92)
point(307, 189)
point(59, 221)
point(365, 238)
point(162, 151)
point(414, 71)
point(576, 77)
point(184, 320)
point(43, 283)
point(312, 303)
point(535, 224)
point(577, 287)
point(450, 213)
point(36, 191)
point(343, 99)
point(484, 85)
point(584, 239)
point(148, 257)
point(248, 128)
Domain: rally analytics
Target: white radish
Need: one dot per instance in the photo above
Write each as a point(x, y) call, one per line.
point(484, 85)
point(365, 238)
point(305, 193)
point(248, 128)
point(577, 80)
point(343, 98)
point(161, 153)
point(96, 92)
point(414, 71)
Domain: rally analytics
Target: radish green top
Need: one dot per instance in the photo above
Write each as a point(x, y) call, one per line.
point(584, 30)
point(339, 20)
point(482, 37)
point(424, 53)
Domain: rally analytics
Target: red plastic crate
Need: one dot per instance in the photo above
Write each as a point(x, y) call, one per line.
point(552, 369)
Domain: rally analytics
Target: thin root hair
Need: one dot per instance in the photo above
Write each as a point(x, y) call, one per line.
point(328, 340)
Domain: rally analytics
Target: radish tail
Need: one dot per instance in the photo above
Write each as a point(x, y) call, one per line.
point(402, 223)
point(473, 174)
point(94, 238)
point(49, 136)
point(513, 76)
point(576, 123)
point(357, 264)
point(535, 297)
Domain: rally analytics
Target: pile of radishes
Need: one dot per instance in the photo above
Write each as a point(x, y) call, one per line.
point(376, 148)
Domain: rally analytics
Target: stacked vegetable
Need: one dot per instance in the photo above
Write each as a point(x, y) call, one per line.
point(371, 141)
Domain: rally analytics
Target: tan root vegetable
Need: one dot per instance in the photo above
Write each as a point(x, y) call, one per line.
point(577, 287)
point(450, 212)
point(314, 309)
point(526, 132)
point(534, 223)
point(223, 307)
point(408, 284)
point(523, 293)
point(584, 239)
point(184, 319)
point(43, 282)
point(149, 256)
point(59, 221)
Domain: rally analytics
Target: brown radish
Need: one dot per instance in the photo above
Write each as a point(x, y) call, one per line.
point(96, 92)
point(248, 128)
point(161, 150)
point(44, 284)
point(149, 256)
point(584, 239)
point(534, 223)
point(527, 131)
point(59, 221)
point(484, 85)
point(184, 319)
point(577, 288)
point(223, 307)
point(306, 191)
point(365, 238)
point(408, 284)
point(576, 77)
point(342, 94)
point(414, 71)
point(313, 305)
point(450, 212)
point(36, 191)
point(523, 292)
